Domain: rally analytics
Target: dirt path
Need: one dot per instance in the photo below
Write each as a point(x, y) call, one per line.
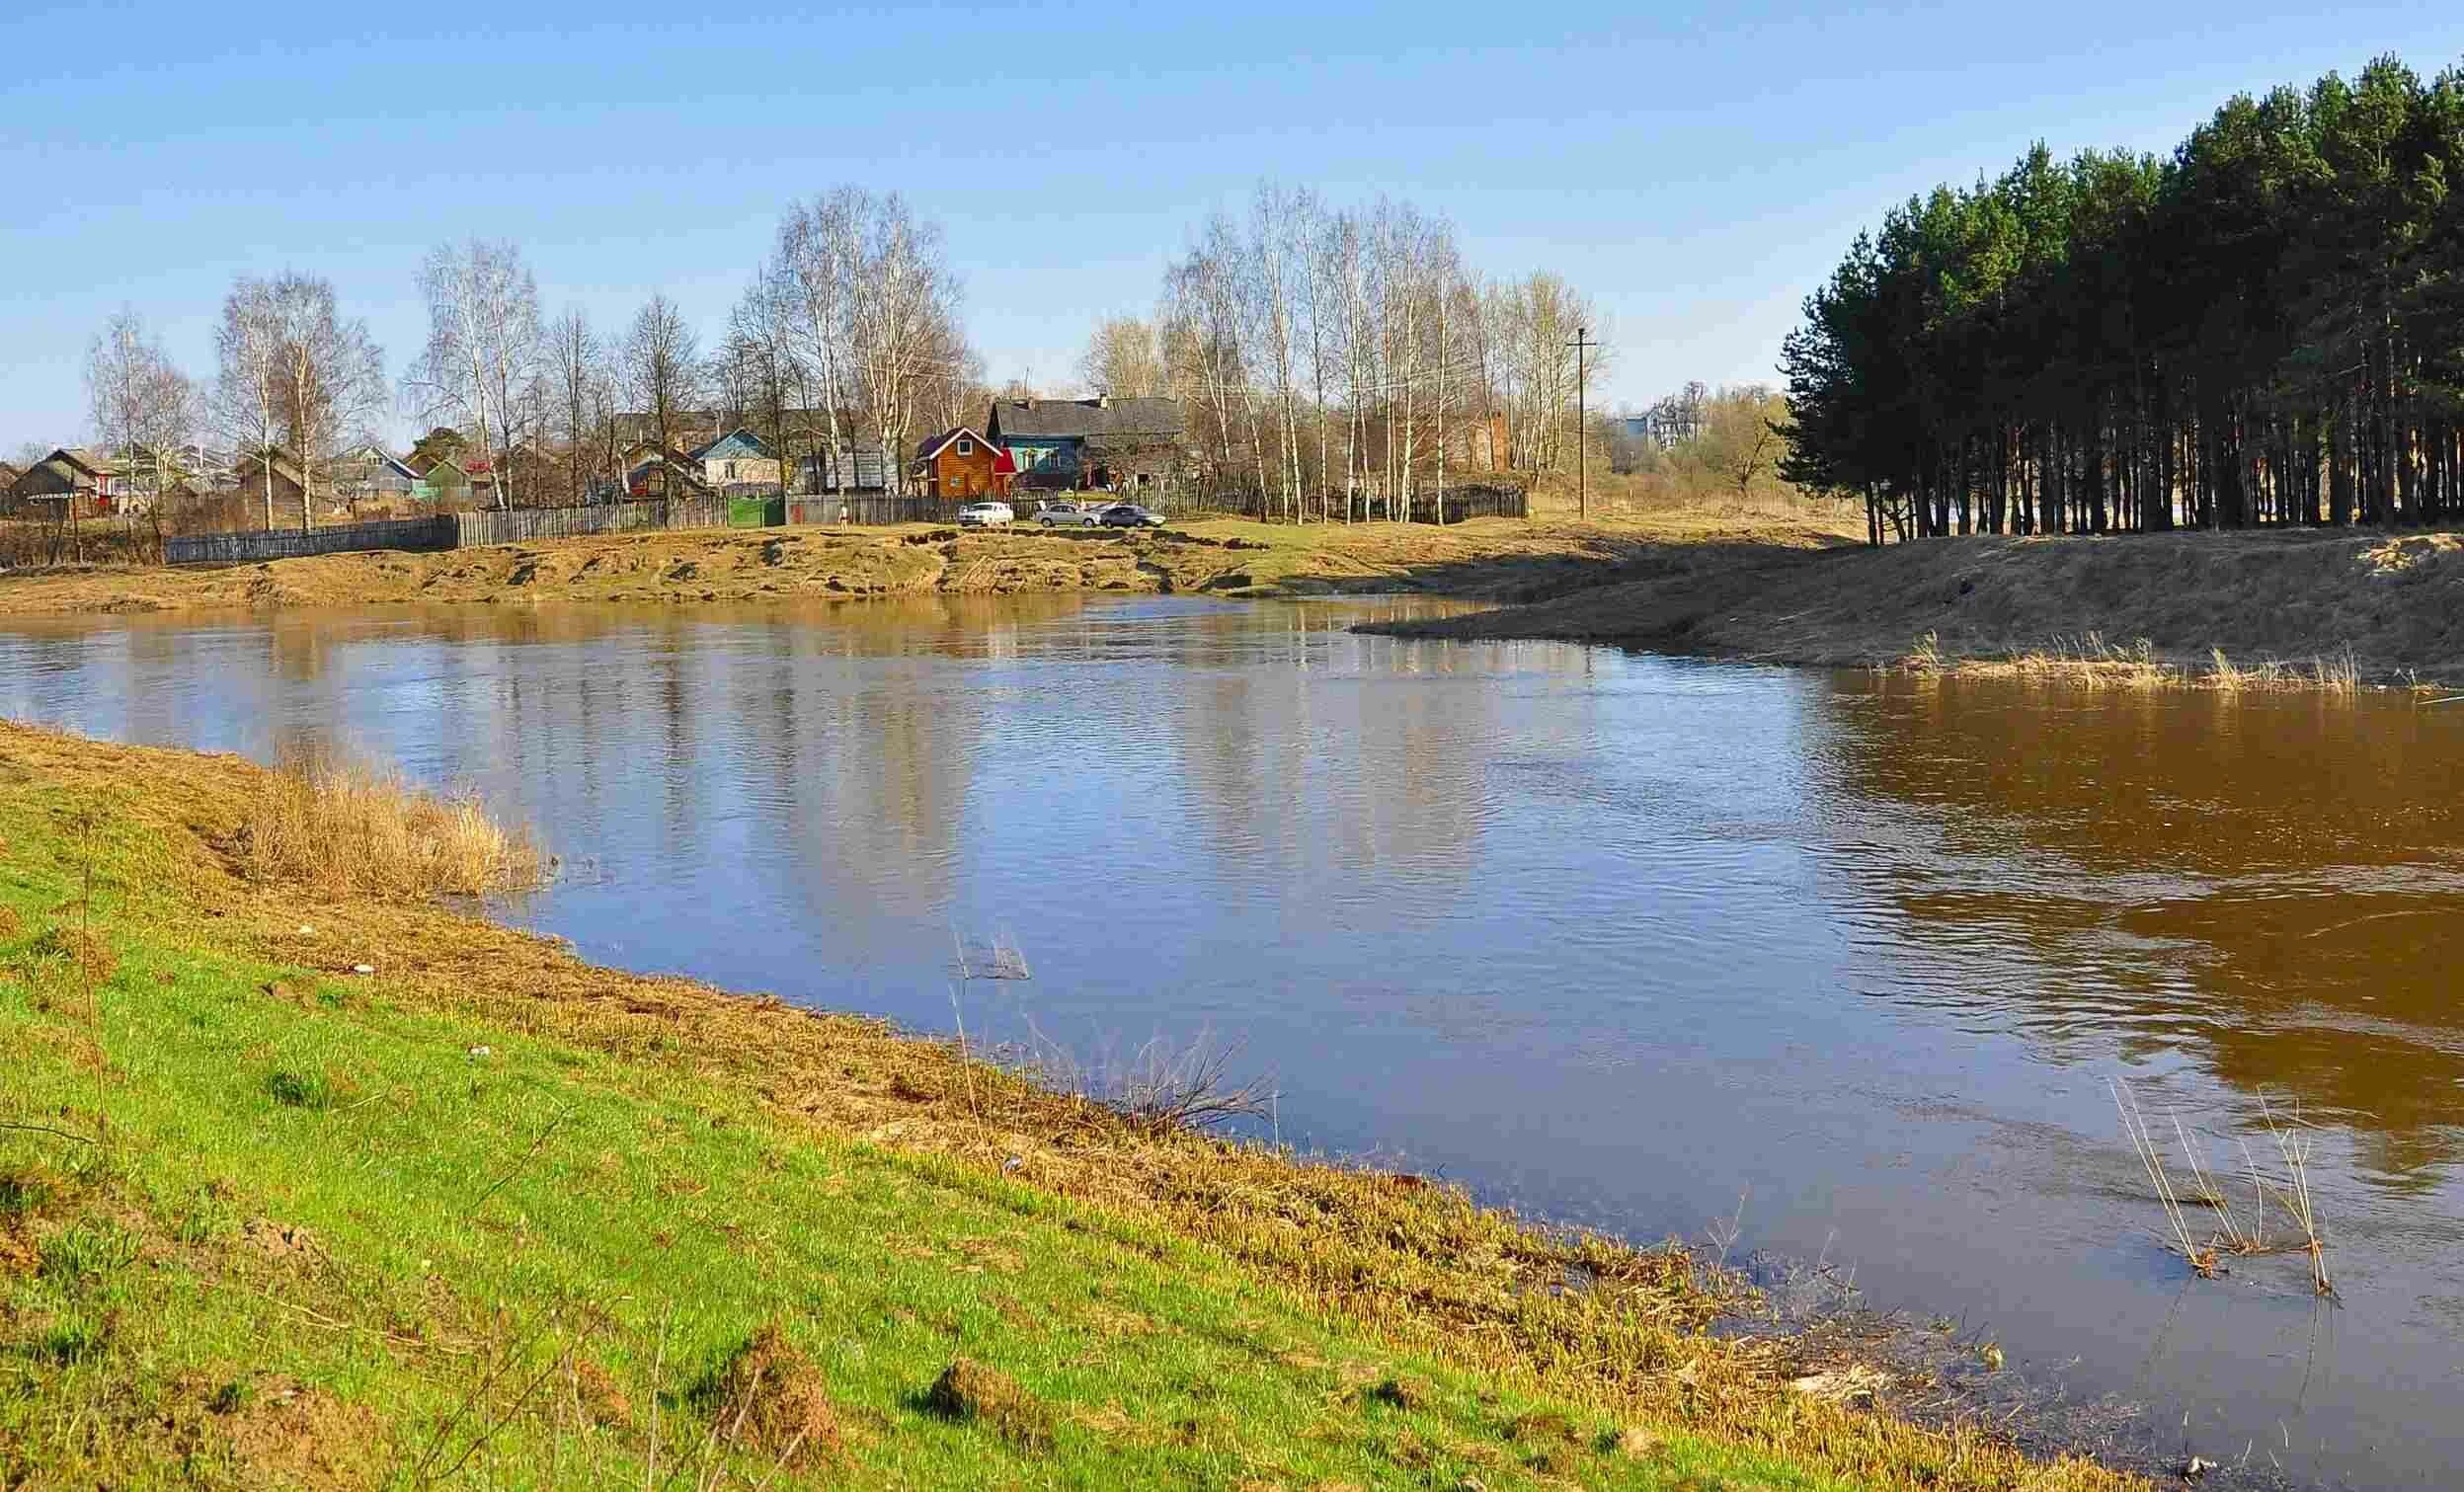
point(1496, 558)
point(2396, 600)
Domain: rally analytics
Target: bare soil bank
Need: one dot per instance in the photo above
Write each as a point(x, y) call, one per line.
point(2396, 600)
point(1499, 558)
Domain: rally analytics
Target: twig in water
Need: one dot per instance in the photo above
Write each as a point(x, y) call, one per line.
point(2293, 1144)
point(2142, 1141)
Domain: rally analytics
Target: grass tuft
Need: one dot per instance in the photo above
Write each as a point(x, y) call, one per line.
point(87, 1252)
point(971, 1393)
point(313, 1091)
point(341, 825)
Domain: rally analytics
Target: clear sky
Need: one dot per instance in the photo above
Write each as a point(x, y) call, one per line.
point(1696, 175)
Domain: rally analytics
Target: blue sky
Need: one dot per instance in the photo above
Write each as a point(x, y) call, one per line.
point(1695, 174)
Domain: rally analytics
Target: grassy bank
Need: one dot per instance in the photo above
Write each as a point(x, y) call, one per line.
point(490, 1214)
point(2234, 611)
point(1484, 557)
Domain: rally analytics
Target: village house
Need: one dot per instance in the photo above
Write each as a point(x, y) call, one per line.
point(649, 472)
point(250, 474)
point(372, 473)
point(89, 484)
point(1102, 443)
point(738, 461)
point(959, 464)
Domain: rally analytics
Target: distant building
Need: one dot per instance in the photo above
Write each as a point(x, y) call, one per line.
point(1100, 443)
point(371, 472)
point(959, 464)
point(71, 482)
point(739, 460)
point(649, 472)
point(251, 472)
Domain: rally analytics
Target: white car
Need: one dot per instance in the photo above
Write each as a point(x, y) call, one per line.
point(1060, 513)
point(984, 514)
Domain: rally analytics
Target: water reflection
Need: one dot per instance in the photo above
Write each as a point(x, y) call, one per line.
point(2267, 885)
point(1614, 938)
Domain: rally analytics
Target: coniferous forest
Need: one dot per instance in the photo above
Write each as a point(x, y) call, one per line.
point(2266, 326)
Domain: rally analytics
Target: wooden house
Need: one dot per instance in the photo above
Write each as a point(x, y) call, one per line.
point(959, 464)
point(1100, 443)
point(649, 472)
point(372, 473)
point(251, 471)
point(737, 461)
point(89, 484)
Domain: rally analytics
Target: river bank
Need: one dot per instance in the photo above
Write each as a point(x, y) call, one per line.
point(591, 1220)
point(2390, 605)
point(1494, 558)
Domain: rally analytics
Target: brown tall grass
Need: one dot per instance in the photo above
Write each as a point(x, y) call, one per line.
point(2089, 662)
point(342, 825)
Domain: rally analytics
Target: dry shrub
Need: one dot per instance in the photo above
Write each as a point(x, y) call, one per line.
point(972, 1393)
point(343, 826)
point(772, 1399)
point(10, 923)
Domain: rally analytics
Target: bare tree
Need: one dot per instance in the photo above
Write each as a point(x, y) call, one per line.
point(332, 376)
point(484, 343)
point(248, 399)
point(902, 321)
point(145, 409)
point(660, 366)
point(576, 390)
point(1124, 357)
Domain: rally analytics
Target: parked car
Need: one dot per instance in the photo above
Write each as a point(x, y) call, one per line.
point(1060, 512)
point(984, 516)
point(1131, 516)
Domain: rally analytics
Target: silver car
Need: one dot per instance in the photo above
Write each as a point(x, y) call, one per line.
point(1060, 513)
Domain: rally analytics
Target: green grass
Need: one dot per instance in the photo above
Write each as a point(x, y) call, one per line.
point(327, 1242)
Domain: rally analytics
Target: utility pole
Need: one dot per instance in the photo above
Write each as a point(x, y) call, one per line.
point(1581, 343)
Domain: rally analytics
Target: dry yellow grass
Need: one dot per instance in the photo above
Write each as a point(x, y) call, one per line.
point(341, 825)
point(2091, 663)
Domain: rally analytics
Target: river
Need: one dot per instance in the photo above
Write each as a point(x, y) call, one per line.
point(1651, 944)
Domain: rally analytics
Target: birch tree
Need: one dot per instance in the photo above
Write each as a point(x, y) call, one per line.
point(331, 378)
point(144, 408)
point(247, 401)
point(484, 343)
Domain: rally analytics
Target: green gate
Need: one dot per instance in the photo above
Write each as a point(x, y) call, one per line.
point(756, 512)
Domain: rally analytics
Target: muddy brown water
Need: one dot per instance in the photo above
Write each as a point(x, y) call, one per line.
point(1644, 943)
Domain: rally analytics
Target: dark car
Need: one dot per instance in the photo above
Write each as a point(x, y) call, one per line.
point(1131, 516)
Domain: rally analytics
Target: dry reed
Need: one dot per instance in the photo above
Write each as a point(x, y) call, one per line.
point(2089, 662)
point(2233, 1235)
point(343, 825)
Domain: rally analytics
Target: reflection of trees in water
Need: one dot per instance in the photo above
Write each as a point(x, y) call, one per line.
point(2268, 883)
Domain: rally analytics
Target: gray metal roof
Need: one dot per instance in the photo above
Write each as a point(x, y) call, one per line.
point(1034, 418)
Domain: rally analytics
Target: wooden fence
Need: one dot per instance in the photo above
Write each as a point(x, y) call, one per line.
point(521, 525)
point(872, 508)
point(428, 535)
